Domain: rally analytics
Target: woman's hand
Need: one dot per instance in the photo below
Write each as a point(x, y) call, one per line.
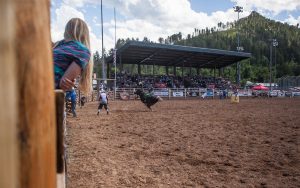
point(68, 79)
point(66, 84)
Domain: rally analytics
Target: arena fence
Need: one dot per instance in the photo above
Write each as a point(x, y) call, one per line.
point(184, 93)
point(61, 131)
point(285, 83)
point(166, 93)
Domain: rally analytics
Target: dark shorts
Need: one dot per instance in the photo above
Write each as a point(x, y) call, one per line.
point(101, 106)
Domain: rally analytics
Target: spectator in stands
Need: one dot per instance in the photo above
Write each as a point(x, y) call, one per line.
point(72, 57)
point(170, 81)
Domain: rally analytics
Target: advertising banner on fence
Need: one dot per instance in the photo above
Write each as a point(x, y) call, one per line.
point(192, 93)
point(202, 90)
point(280, 94)
point(245, 93)
point(288, 94)
point(296, 94)
point(273, 93)
point(161, 93)
point(209, 93)
point(177, 93)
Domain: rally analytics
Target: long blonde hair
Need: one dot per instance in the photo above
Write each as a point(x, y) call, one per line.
point(77, 30)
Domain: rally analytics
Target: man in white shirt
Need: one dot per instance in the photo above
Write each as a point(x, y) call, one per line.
point(103, 102)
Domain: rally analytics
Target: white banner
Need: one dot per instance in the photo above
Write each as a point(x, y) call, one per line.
point(161, 93)
point(177, 93)
point(273, 93)
point(296, 94)
point(209, 93)
point(280, 94)
point(245, 93)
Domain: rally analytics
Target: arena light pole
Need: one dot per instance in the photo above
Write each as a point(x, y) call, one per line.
point(103, 71)
point(270, 65)
point(115, 54)
point(275, 44)
point(238, 9)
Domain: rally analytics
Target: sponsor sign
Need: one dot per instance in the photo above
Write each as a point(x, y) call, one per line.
point(192, 93)
point(288, 94)
point(161, 93)
point(244, 93)
point(177, 93)
point(273, 93)
point(296, 94)
point(209, 93)
point(124, 95)
point(280, 94)
point(202, 90)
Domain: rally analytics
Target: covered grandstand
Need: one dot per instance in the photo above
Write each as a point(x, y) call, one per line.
point(145, 53)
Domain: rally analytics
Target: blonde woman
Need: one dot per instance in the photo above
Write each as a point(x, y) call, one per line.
point(72, 57)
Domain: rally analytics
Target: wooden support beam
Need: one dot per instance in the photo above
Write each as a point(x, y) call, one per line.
point(35, 94)
point(153, 72)
point(9, 159)
point(139, 69)
point(60, 129)
point(198, 71)
point(174, 70)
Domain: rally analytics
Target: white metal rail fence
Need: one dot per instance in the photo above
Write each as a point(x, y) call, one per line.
point(178, 93)
point(182, 93)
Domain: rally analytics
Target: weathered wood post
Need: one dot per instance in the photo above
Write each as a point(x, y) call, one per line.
point(27, 114)
point(35, 94)
point(8, 100)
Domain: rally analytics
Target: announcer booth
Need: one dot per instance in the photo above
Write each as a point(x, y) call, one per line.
point(173, 56)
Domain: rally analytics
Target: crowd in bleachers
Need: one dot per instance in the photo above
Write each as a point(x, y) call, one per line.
point(170, 81)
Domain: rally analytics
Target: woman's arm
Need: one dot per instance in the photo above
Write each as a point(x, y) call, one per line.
point(68, 79)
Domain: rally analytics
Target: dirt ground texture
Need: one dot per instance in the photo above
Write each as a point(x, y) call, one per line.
point(186, 143)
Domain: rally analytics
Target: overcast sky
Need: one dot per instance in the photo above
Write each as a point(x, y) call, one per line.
point(161, 18)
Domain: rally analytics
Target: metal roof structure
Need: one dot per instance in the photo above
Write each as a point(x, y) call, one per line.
point(145, 53)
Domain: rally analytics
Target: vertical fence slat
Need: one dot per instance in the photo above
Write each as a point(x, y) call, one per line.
point(60, 127)
point(8, 99)
point(36, 110)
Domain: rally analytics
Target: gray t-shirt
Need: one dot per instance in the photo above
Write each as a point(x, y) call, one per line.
point(103, 98)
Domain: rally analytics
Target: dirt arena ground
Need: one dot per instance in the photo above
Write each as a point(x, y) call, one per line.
point(186, 143)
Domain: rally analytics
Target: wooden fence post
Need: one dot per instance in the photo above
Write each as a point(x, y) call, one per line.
point(8, 100)
point(35, 94)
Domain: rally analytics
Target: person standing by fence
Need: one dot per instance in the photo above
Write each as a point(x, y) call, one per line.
point(71, 96)
point(72, 57)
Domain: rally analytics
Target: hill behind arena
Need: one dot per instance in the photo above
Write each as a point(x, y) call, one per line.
point(255, 33)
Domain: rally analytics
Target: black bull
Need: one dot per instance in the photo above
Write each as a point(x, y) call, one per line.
point(147, 99)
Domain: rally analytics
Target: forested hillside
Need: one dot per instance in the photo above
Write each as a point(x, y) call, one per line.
point(255, 33)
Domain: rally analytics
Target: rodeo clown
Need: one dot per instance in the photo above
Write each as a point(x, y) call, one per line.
point(103, 102)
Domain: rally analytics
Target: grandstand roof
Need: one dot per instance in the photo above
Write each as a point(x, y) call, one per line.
point(145, 53)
